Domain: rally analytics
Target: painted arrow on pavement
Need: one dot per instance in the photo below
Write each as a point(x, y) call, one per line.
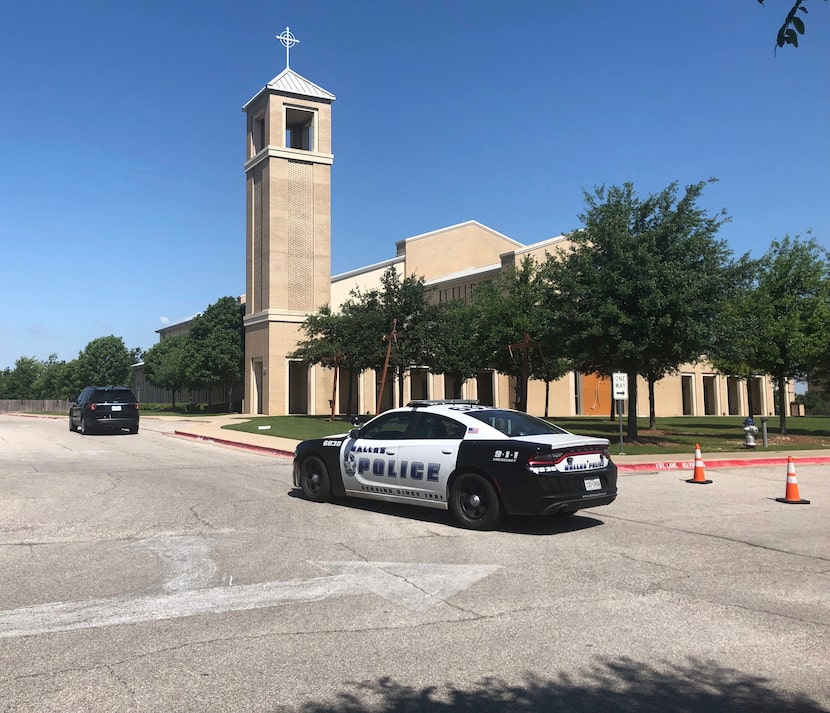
point(417, 586)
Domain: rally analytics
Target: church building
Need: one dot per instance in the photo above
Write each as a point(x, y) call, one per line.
point(288, 276)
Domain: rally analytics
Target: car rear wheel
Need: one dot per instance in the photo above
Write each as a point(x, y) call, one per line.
point(84, 428)
point(133, 429)
point(71, 425)
point(314, 479)
point(474, 503)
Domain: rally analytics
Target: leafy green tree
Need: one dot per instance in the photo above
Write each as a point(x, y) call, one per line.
point(405, 304)
point(400, 305)
point(736, 335)
point(19, 383)
point(330, 341)
point(166, 364)
point(642, 286)
point(217, 346)
point(506, 310)
point(454, 349)
point(324, 338)
point(55, 380)
point(105, 361)
point(792, 302)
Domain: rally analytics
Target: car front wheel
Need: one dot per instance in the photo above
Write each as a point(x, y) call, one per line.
point(314, 479)
point(474, 503)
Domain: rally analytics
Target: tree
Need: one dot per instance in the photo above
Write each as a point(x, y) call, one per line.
point(55, 380)
point(330, 341)
point(19, 383)
point(641, 286)
point(217, 341)
point(515, 333)
point(792, 301)
point(736, 335)
point(793, 25)
point(454, 348)
point(398, 311)
point(105, 361)
point(166, 364)
point(405, 305)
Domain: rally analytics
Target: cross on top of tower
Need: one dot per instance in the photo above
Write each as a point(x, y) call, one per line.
point(287, 40)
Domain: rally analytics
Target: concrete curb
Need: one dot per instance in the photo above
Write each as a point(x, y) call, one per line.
point(235, 444)
point(34, 415)
point(725, 463)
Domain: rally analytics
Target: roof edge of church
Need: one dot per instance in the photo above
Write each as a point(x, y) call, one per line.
point(367, 268)
point(431, 233)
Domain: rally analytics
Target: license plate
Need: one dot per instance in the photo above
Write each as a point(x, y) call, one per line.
point(593, 484)
point(116, 408)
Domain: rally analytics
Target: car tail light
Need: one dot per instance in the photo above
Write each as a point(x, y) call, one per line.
point(540, 460)
point(136, 406)
point(92, 407)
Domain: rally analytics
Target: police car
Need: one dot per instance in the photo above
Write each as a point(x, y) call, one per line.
point(478, 462)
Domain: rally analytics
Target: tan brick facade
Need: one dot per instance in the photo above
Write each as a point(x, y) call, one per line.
point(288, 238)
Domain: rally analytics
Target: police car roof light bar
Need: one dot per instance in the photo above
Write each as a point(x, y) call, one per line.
point(438, 402)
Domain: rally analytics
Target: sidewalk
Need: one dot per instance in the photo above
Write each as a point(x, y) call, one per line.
point(209, 430)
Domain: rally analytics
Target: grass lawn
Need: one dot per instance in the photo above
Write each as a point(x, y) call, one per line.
point(672, 435)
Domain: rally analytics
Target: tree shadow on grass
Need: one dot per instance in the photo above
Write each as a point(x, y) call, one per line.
point(618, 686)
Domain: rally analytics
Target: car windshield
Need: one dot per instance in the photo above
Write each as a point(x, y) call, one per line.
point(515, 423)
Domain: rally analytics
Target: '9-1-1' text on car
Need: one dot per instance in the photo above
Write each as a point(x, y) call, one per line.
point(477, 461)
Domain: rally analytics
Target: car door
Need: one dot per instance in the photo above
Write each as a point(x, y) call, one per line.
point(75, 408)
point(370, 465)
point(427, 456)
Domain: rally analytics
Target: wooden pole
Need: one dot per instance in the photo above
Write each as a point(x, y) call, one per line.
point(524, 346)
point(386, 364)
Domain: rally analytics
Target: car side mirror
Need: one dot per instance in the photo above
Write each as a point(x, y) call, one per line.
point(354, 433)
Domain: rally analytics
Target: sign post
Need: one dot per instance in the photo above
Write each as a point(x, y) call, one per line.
point(620, 388)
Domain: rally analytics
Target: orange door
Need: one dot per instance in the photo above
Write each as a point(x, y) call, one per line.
point(596, 395)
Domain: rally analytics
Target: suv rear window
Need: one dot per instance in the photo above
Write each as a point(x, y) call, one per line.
point(118, 396)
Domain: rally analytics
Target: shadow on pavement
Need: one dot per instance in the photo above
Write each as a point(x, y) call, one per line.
point(612, 685)
point(517, 525)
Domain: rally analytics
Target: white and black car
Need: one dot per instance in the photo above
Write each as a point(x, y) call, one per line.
point(477, 461)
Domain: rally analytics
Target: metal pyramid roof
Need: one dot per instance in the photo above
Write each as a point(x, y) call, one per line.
point(289, 82)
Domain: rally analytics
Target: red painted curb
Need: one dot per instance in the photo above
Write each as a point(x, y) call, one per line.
point(235, 444)
point(34, 415)
point(726, 463)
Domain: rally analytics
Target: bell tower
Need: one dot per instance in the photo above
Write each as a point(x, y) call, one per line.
point(287, 234)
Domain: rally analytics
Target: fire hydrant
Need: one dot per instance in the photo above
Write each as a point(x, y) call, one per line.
point(750, 429)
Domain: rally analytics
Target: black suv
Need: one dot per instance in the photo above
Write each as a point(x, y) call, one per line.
point(104, 408)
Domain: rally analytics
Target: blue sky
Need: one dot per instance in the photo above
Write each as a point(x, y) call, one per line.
point(122, 135)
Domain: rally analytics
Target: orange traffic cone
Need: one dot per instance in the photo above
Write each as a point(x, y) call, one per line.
point(699, 474)
point(791, 495)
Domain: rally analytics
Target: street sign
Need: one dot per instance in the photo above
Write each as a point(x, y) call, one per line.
point(620, 385)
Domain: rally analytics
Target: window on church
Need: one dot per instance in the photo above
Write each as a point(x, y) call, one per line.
point(258, 134)
point(299, 129)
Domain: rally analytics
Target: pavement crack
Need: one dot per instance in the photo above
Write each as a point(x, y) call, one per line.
point(713, 536)
point(121, 681)
point(201, 520)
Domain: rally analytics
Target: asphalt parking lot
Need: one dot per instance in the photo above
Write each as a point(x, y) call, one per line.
point(153, 573)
